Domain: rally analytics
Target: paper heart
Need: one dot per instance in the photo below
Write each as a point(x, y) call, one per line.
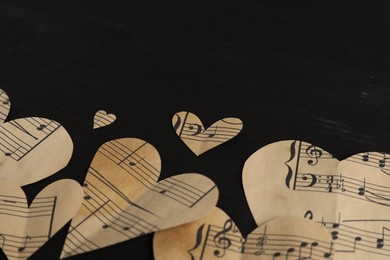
point(124, 200)
point(24, 229)
point(102, 119)
point(5, 105)
point(192, 132)
point(351, 198)
point(217, 237)
point(32, 149)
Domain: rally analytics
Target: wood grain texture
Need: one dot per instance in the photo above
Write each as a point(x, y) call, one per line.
point(315, 71)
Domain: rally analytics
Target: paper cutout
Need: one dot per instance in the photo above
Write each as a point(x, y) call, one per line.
point(5, 106)
point(217, 237)
point(23, 229)
point(32, 149)
point(350, 198)
point(192, 132)
point(123, 199)
point(102, 119)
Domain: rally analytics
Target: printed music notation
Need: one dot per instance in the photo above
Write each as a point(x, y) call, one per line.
point(123, 196)
point(279, 246)
point(191, 130)
point(19, 137)
point(137, 166)
point(217, 237)
point(351, 236)
point(102, 119)
point(5, 105)
point(310, 179)
point(24, 229)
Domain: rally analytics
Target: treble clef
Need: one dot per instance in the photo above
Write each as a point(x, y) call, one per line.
point(221, 241)
point(313, 152)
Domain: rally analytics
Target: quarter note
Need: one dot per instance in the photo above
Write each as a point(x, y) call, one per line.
point(328, 254)
point(215, 132)
point(362, 190)
point(21, 249)
point(135, 163)
point(277, 254)
point(366, 157)
point(289, 251)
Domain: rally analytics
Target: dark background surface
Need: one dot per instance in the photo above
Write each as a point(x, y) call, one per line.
point(311, 70)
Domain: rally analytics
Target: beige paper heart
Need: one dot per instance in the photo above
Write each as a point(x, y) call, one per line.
point(5, 106)
point(192, 132)
point(102, 119)
point(24, 229)
point(123, 199)
point(32, 149)
point(217, 237)
point(351, 198)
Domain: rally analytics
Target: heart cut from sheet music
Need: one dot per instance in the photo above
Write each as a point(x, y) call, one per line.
point(5, 105)
point(124, 199)
point(192, 132)
point(102, 119)
point(215, 236)
point(351, 198)
point(32, 149)
point(24, 229)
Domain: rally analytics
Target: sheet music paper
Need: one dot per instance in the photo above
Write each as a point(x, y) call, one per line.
point(102, 119)
point(192, 132)
point(32, 149)
point(217, 237)
point(5, 106)
point(123, 199)
point(351, 198)
point(24, 229)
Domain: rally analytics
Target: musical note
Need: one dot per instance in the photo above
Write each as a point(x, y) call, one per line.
point(329, 254)
point(381, 241)
point(276, 255)
point(362, 190)
point(366, 157)
point(135, 163)
point(213, 134)
point(21, 249)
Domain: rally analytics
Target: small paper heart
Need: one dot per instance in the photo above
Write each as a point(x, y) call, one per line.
point(24, 229)
point(217, 237)
point(123, 199)
point(192, 132)
point(102, 119)
point(351, 198)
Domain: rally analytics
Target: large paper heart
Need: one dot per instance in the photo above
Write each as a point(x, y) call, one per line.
point(32, 149)
point(123, 199)
point(24, 229)
point(102, 119)
point(351, 197)
point(217, 237)
point(5, 105)
point(191, 130)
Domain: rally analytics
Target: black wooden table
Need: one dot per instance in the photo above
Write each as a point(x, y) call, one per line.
point(313, 70)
